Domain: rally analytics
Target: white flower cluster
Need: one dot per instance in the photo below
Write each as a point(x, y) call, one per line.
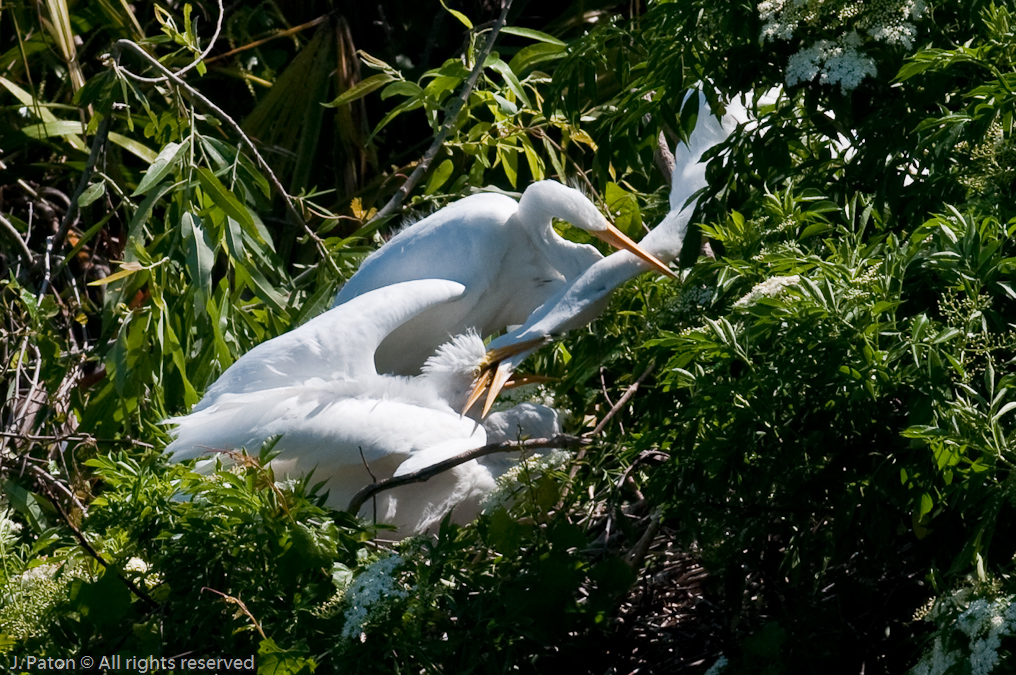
point(832, 62)
point(769, 288)
point(983, 623)
point(692, 299)
point(26, 599)
point(508, 483)
point(838, 61)
point(372, 588)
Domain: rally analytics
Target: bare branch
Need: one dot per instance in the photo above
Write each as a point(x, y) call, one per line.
point(98, 143)
point(22, 247)
point(558, 441)
point(450, 119)
point(621, 401)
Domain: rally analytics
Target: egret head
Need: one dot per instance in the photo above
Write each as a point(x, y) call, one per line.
point(454, 367)
point(547, 199)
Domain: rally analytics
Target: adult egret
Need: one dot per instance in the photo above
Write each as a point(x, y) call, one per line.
point(505, 253)
point(583, 298)
point(317, 386)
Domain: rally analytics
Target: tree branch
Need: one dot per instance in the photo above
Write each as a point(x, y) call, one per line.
point(450, 119)
point(558, 441)
point(22, 247)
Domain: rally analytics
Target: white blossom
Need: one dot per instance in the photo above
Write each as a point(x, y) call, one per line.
point(9, 528)
point(983, 623)
point(839, 60)
point(832, 62)
point(374, 586)
point(769, 288)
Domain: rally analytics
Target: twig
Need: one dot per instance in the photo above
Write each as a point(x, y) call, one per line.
point(558, 441)
point(134, 588)
point(201, 57)
point(231, 123)
point(621, 401)
point(580, 455)
point(22, 247)
point(239, 603)
point(98, 143)
point(75, 437)
point(641, 548)
point(275, 36)
point(450, 120)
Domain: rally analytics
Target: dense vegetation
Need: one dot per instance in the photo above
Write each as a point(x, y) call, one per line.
point(811, 469)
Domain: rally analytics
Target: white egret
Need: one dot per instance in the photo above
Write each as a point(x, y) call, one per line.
point(317, 387)
point(505, 253)
point(583, 298)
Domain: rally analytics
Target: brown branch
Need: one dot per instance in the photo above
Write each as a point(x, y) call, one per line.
point(239, 603)
point(558, 441)
point(98, 143)
point(450, 121)
point(621, 401)
point(275, 36)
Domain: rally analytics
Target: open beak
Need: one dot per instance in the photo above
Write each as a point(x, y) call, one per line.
point(620, 240)
point(495, 374)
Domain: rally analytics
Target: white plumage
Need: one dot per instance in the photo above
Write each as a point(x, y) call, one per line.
point(583, 298)
point(505, 253)
point(318, 388)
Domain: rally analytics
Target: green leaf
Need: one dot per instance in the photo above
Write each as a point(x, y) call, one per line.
point(25, 503)
point(225, 199)
point(200, 251)
point(459, 15)
point(624, 209)
point(273, 660)
point(440, 176)
point(530, 56)
point(533, 35)
point(93, 192)
point(164, 163)
point(361, 89)
point(502, 68)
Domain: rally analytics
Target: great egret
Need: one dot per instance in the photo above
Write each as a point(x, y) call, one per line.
point(505, 253)
point(583, 298)
point(317, 386)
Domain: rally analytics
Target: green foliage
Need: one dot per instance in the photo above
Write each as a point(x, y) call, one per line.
point(827, 402)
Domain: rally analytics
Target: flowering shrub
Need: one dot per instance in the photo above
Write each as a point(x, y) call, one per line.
point(840, 60)
point(969, 635)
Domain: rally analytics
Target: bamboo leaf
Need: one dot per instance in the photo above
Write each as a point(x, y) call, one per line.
point(164, 163)
point(225, 199)
point(360, 90)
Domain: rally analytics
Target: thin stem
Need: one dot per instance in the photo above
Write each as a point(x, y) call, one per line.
point(450, 121)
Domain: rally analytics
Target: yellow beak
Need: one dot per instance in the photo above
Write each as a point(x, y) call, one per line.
point(620, 240)
point(495, 375)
